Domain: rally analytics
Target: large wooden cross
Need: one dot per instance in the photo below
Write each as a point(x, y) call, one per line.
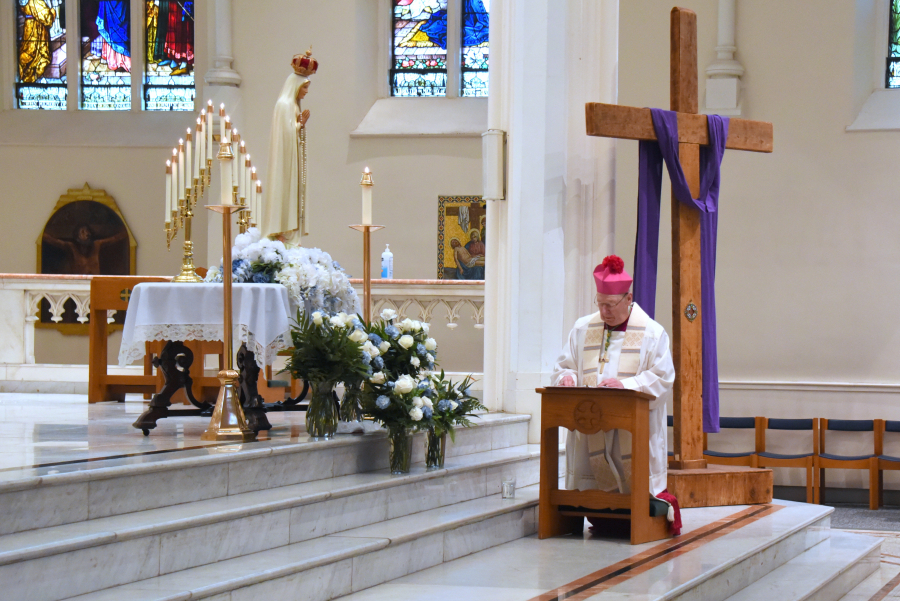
point(614, 121)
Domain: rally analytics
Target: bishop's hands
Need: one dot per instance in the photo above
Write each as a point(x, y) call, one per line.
point(303, 117)
point(611, 383)
point(566, 380)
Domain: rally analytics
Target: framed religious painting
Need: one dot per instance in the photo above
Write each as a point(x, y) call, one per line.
point(461, 237)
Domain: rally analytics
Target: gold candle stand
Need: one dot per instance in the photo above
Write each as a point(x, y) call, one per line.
point(228, 422)
point(367, 266)
point(188, 270)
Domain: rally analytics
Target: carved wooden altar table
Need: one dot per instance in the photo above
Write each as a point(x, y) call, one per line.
point(590, 410)
point(175, 312)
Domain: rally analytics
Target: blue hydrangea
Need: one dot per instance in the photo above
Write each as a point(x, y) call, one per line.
point(375, 339)
point(392, 331)
point(423, 385)
point(378, 363)
point(370, 371)
point(420, 349)
point(366, 357)
point(427, 412)
point(443, 405)
point(356, 323)
point(391, 384)
point(382, 402)
point(261, 277)
point(429, 393)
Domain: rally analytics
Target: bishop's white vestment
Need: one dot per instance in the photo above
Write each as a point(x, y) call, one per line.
point(640, 358)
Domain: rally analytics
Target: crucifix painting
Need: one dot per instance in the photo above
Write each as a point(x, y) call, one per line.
point(691, 145)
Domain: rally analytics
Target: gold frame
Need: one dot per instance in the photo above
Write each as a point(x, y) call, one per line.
point(99, 196)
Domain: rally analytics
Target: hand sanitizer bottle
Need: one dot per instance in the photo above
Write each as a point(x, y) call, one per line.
point(387, 263)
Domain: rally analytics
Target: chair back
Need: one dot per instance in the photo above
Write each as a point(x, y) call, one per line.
point(844, 425)
point(790, 424)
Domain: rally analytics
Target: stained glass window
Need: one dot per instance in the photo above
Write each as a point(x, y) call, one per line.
point(892, 76)
point(41, 54)
point(169, 38)
point(475, 47)
point(105, 55)
point(419, 61)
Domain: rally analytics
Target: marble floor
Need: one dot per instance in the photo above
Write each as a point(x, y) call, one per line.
point(55, 433)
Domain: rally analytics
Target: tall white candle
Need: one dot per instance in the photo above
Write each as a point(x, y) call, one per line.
point(209, 131)
point(242, 183)
point(235, 148)
point(198, 150)
point(254, 215)
point(246, 180)
point(259, 201)
point(175, 194)
point(366, 186)
point(168, 192)
point(180, 169)
point(225, 181)
point(189, 161)
point(222, 122)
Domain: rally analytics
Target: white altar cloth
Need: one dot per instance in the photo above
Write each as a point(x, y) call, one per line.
point(176, 311)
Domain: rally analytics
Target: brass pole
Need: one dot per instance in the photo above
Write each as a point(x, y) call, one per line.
point(367, 266)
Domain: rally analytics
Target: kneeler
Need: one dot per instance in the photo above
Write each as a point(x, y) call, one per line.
point(590, 410)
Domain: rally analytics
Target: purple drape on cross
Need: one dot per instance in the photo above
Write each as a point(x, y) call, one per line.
point(652, 156)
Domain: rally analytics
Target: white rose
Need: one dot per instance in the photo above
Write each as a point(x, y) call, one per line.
point(371, 349)
point(377, 378)
point(428, 403)
point(337, 321)
point(416, 414)
point(317, 318)
point(406, 341)
point(406, 325)
point(429, 357)
point(418, 402)
point(404, 384)
point(415, 361)
point(357, 336)
point(388, 314)
point(417, 326)
point(453, 405)
point(384, 346)
point(425, 327)
point(430, 344)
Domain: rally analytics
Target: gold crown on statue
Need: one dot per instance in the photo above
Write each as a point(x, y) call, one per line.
point(305, 64)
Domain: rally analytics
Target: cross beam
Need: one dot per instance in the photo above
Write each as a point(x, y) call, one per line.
point(631, 123)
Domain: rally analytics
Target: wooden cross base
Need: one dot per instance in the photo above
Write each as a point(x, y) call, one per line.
point(720, 485)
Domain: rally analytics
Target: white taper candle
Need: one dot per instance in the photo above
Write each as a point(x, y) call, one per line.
point(189, 161)
point(175, 195)
point(168, 192)
point(366, 186)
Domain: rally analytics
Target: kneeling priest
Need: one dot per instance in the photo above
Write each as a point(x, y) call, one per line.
point(620, 346)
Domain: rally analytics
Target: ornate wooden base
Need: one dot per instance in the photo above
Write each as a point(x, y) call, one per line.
point(721, 485)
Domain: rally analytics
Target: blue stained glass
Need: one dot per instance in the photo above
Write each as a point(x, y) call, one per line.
point(419, 65)
point(892, 75)
point(41, 54)
point(105, 55)
point(475, 47)
point(169, 73)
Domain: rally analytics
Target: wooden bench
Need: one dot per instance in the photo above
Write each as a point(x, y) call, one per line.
point(590, 410)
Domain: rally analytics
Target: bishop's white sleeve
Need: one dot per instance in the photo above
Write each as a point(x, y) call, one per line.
point(567, 364)
point(659, 377)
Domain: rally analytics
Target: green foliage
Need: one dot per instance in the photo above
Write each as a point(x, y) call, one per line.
point(453, 405)
point(324, 352)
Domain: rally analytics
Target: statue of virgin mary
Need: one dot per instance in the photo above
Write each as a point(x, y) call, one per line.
point(285, 212)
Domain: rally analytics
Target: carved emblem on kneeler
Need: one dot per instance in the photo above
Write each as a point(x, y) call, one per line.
point(588, 415)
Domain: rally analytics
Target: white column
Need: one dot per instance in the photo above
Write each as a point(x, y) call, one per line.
point(547, 59)
point(723, 77)
point(221, 72)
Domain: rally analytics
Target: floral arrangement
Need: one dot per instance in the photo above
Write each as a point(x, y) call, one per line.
point(398, 395)
point(328, 348)
point(453, 405)
point(313, 279)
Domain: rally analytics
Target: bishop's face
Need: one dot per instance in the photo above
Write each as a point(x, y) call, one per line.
point(614, 308)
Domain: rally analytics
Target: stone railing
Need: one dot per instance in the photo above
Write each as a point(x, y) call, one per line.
point(21, 296)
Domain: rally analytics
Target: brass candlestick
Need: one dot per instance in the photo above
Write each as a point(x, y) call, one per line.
point(367, 267)
point(188, 271)
point(228, 421)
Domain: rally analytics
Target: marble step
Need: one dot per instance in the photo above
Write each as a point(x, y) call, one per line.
point(825, 572)
point(883, 581)
point(336, 565)
point(188, 535)
point(41, 498)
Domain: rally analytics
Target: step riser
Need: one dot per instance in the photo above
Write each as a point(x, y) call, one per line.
point(365, 571)
point(48, 505)
point(746, 572)
point(849, 579)
point(195, 546)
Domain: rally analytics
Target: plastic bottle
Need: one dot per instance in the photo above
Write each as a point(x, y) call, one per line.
point(387, 263)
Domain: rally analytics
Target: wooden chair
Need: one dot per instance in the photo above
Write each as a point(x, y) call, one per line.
point(867, 462)
point(745, 458)
point(590, 410)
point(804, 460)
point(883, 462)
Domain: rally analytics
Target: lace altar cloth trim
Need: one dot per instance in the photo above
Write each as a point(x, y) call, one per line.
point(265, 354)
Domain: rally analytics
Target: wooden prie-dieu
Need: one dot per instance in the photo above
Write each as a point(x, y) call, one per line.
point(591, 410)
point(631, 123)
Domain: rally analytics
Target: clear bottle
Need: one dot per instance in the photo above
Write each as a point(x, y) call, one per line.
point(387, 263)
